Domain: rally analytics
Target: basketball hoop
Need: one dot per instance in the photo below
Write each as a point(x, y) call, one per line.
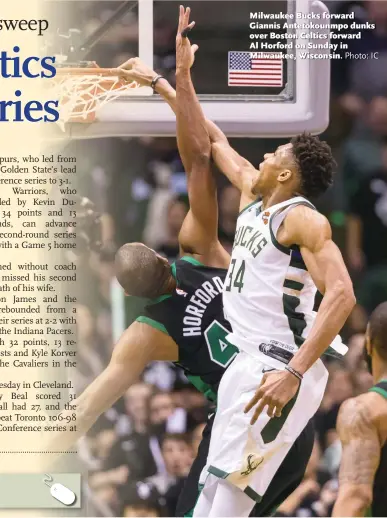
point(82, 91)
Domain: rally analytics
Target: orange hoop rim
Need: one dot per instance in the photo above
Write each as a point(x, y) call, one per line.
point(111, 76)
point(95, 71)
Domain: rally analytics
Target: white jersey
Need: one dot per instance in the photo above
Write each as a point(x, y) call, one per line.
point(268, 293)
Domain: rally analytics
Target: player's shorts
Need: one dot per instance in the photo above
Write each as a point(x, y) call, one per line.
point(285, 481)
point(249, 456)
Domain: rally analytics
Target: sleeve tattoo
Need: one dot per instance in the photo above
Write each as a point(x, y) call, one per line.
point(361, 444)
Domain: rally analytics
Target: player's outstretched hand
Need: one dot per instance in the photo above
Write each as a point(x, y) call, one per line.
point(277, 388)
point(185, 52)
point(136, 70)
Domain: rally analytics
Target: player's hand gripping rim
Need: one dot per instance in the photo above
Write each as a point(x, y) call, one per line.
point(277, 388)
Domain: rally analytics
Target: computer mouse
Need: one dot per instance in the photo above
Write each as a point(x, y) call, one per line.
point(62, 494)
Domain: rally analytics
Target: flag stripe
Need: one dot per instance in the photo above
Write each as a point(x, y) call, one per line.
point(256, 74)
point(254, 83)
point(267, 67)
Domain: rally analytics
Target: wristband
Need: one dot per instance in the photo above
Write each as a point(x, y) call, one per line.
point(154, 81)
point(294, 372)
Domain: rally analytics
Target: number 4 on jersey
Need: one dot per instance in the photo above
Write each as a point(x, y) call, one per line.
point(221, 351)
point(236, 281)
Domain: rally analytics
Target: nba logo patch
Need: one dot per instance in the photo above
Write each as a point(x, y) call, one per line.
point(265, 217)
point(181, 292)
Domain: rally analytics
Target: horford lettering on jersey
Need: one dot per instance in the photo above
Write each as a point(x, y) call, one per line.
point(198, 304)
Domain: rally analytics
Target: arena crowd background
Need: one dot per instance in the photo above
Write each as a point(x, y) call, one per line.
point(140, 451)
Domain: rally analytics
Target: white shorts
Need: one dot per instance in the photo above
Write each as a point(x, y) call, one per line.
point(249, 455)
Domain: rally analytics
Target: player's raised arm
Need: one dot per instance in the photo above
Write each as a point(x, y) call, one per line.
point(192, 135)
point(199, 233)
point(237, 169)
point(360, 457)
point(138, 345)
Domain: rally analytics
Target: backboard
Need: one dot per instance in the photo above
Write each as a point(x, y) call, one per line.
point(250, 73)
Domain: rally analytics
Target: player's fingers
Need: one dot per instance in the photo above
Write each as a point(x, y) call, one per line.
point(124, 74)
point(254, 400)
point(271, 410)
point(258, 410)
point(189, 28)
point(279, 407)
point(181, 19)
point(278, 411)
point(187, 15)
point(128, 65)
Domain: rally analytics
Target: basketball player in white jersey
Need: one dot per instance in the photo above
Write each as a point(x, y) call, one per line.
point(283, 252)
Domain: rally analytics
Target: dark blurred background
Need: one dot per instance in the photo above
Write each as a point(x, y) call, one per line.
point(140, 451)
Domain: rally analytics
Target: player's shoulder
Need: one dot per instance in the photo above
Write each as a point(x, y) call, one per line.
point(304, 225)
point(305, 213)
point(358, 415)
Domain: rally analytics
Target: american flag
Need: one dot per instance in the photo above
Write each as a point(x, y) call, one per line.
point(254, 69)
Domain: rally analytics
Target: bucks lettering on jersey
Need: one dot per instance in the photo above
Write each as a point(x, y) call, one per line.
point(193, 317)
point(269, 294)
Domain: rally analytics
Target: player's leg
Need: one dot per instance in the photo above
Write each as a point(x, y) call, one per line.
point(229, 500)
point(250, 456)
point(285, 481)
point(206, 497)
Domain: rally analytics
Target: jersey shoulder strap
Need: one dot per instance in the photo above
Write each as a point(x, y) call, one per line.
point(256, 204)
point(380, 388)
point(277, 214)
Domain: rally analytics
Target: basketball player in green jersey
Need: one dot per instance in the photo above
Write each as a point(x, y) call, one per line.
point(362, 426)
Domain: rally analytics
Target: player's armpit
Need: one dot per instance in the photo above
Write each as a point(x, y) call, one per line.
point(360, 457)
point(237, 169)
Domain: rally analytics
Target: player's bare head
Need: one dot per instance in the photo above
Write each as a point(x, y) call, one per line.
point(141, 271)
point(303, 166)
point(377, 331)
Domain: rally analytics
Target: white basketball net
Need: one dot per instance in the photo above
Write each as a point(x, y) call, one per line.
point(81, 95)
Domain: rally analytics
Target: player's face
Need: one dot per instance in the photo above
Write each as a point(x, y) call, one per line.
point(269, 170)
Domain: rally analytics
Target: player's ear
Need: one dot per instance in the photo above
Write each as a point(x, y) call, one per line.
point(285, 175)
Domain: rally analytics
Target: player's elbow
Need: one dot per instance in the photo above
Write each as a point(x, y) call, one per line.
point(353, 500)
